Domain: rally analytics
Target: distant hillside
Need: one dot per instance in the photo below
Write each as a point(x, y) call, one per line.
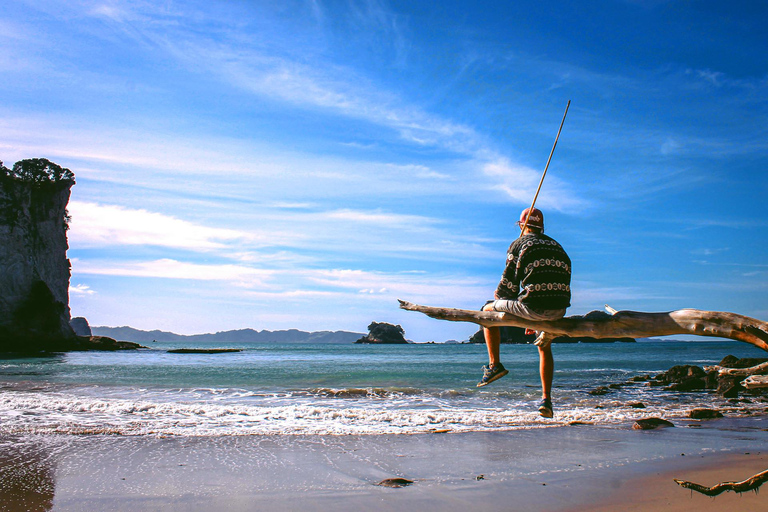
point(251, 335)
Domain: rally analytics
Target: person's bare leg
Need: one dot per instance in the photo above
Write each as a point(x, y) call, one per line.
point(546, 371)
point(492, 340)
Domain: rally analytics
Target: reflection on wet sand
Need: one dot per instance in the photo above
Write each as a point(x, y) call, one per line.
point(27, 479)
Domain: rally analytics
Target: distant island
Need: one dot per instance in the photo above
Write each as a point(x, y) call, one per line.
point(381, 333)
point(241, 335)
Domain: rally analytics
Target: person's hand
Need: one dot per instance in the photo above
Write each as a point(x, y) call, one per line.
point(496, 295)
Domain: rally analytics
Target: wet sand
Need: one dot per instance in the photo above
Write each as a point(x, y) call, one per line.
point(551, 469)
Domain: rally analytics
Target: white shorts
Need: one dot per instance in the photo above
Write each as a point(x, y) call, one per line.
point(519, 309)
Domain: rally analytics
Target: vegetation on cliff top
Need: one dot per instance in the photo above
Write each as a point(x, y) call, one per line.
point(37, 170)
point(42, 179)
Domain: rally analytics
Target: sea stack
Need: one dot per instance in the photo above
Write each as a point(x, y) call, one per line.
point(34, 269)
point(383, 333)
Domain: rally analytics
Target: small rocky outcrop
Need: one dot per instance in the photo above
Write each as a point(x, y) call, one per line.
point(397, 482)
point(80, 326)
point(704, 414)
point(34, 269)
point(384, 333)
point(683, 378)
point(101, 343)
point(694, 378)
point(651, 424)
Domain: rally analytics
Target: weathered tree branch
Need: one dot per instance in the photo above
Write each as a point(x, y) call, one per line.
point(750, 484)
point(752, 370)
point(755, 381)
point(621, 324)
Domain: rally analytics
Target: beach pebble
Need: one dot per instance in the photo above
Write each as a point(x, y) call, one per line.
point(395, 482)
point(704, 414)
point(651, 423)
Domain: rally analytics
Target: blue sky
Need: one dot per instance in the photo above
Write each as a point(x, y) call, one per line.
point(303, 164)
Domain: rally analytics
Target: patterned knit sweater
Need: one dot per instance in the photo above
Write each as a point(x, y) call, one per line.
point(538, 273)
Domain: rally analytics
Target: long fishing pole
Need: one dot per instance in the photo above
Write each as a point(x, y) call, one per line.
point(525, 224)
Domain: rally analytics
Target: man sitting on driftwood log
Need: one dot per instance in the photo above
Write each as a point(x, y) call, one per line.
point(536, 285)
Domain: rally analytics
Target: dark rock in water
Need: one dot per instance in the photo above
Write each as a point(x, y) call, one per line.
point(636, 405)
point(682, 378)
point(601, 390)
point(395, 482)
point(689, 384)
point(680, 373)
point(710, 381)
point(508, 334)
point(384, 333)
point(103, 343)
point(730, 361)
point(203, 350)
point(651, 423)
point(704, 414)
point(80, 326)
point(729, 386)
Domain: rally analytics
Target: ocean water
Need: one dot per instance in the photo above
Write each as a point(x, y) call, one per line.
point(345, 389)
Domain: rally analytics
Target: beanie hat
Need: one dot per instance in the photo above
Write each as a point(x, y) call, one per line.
point(536, 220)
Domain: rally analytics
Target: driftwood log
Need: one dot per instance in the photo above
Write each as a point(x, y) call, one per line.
point(759, 369)
point(633, 324)
point(617, 324)
point(756, 377)
point(755, 381)
point(750, 484)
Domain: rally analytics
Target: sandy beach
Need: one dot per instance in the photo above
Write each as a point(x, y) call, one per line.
point(560, 469)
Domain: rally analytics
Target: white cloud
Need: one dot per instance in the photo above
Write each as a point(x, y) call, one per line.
point(412, 286)
point(713, 77)
point(378, 217)
point(81, 289)
point(670, 146)
point(301, 283)
point(108, 225)
point(520, 183)
point(167, 268)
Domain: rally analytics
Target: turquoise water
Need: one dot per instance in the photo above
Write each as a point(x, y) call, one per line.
point(341, 389)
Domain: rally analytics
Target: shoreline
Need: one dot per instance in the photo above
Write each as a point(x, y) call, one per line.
point(657, 491)
point(559, 469)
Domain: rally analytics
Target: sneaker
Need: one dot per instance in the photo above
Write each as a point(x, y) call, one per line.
point(545, 408)
point(492, 373)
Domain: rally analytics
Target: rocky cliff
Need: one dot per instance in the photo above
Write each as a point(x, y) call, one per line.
point(34, 269)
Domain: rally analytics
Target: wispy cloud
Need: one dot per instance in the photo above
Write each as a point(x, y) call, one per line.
point(520, 183)
point(253, 282)
point(81, 289)
point(167, 268)
point(380, 218)
point(107, 225)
